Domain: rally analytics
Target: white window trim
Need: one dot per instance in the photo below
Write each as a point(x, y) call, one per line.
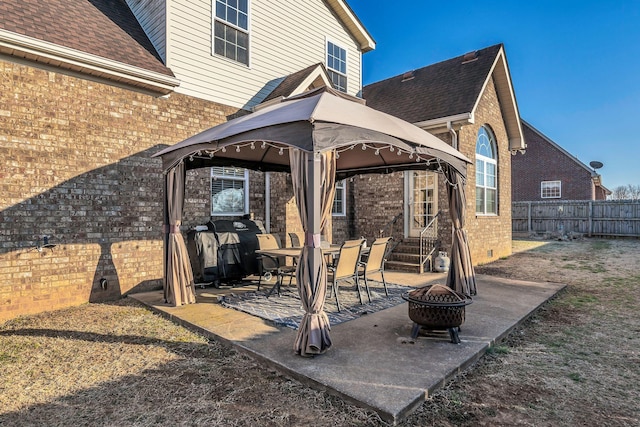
point(486, 160)
point(346, 61)
point(234, 178)
point(214, 18)
point(550, 183)
point(344, 200)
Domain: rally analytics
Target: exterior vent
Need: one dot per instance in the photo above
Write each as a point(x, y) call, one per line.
point(470, 56)
point(408, 76)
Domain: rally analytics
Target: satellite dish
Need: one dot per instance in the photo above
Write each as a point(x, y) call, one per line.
point(595, 164)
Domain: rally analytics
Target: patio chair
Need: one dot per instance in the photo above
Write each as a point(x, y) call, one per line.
point(375, 263)
point(272, 265)
point(296, 239)
point(346, 267)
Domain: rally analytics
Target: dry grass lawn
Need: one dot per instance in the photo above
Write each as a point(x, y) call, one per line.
point(577, 362)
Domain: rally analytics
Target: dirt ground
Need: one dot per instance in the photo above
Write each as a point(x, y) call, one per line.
point(575, 363)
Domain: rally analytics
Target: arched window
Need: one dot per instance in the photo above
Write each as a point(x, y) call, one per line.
point(486, 173)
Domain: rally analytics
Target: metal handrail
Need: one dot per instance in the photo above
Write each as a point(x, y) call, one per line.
point(389, 224)
point(423, 256)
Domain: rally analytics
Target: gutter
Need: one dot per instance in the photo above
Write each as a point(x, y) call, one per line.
point(447, 123)
point(21, 46)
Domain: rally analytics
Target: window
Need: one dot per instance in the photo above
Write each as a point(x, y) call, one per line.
point(231, 30)
point(337, 66)
point(551, 189)
point(339, 200)
point(229, 190)
point(486, 173)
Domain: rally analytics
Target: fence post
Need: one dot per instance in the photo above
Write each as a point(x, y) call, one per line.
point(590, 219)
point(529, 217)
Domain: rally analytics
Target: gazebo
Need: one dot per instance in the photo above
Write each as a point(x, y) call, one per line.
point(319, 136)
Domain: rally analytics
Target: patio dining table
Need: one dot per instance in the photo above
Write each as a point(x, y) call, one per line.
point(296, 251)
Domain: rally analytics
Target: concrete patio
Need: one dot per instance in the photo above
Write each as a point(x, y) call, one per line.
point(373, 363)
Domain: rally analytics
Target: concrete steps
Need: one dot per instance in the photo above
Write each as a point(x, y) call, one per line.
point(406, 257)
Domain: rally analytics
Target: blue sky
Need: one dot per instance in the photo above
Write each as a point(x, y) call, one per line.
point(575, 65)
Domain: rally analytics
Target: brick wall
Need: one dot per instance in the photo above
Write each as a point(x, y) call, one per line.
point(377, 200)
point(544, 162)
point(489, 236)
point(76, 166)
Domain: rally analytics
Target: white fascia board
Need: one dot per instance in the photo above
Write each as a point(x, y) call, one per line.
point(504, 89)
point(457, 120)
point(351, 21)
point(50, 53)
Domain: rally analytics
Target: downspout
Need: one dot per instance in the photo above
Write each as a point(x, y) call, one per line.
point(454, 135)
point(454, 144)
point(267, 201)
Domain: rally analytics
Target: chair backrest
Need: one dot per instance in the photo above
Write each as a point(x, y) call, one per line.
point(348, 259)
point(296, 239)
point(267, 241)
point(377, 253)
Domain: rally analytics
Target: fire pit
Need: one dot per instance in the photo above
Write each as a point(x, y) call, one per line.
point(437, 307)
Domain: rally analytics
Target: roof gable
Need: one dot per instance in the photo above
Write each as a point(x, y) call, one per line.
point(449, 90)
point(353, 24)
point(65, 33)
point(528, 127)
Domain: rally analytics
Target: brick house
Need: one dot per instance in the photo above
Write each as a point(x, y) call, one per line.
point(546, 171)
point(91, 89)
point(468, 102)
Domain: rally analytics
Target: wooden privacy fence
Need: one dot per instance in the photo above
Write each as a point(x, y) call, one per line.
point(615, 218)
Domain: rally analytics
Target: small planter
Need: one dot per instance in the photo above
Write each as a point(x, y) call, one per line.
point(437, 307)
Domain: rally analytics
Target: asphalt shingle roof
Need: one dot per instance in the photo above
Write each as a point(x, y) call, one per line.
point(444, 89)
point(106, 28)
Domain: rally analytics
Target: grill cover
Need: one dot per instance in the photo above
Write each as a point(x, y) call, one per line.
point(225, 251)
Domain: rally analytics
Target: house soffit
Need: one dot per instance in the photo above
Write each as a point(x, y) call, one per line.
point(56, 56)
point(353, 24)
point(100, 39)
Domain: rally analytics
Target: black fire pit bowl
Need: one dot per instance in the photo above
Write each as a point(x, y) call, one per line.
point(437, 308)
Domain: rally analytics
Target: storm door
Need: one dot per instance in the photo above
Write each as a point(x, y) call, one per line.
point(421, 203)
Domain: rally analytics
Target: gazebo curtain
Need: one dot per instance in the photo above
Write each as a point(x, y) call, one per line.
point(313, 177)
point(461, 277)
point(179, 286)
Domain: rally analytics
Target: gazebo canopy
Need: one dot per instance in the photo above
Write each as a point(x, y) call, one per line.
point(365, 140)
point(318, 136)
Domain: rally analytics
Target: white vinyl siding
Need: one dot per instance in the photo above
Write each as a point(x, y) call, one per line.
point(151, 16)
point(285, 37)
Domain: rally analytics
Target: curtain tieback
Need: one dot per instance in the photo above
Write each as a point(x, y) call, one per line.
point(171, 229)
point(312, 240)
